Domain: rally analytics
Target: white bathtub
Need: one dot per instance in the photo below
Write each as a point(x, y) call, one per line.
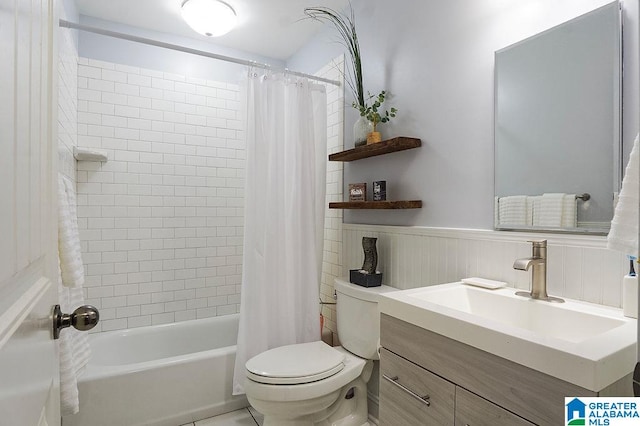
point(165, 375)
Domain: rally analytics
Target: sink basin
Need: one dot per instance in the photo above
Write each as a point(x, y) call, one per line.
point(544, 319)
point(585, 344)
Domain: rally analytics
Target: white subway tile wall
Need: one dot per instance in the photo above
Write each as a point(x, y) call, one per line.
point(579, 267)
point(161, 222)
point(332, 256)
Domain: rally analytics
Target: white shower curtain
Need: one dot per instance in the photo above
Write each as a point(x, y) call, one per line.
point(284, 215)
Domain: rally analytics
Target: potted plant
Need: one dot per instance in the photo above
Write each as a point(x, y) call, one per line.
point(372, 112)
point(369, 115)
point(346, 27)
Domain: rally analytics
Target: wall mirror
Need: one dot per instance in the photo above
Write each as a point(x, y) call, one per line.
point(558, 126)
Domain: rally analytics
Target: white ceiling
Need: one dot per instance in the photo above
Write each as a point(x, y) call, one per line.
point(271, 28)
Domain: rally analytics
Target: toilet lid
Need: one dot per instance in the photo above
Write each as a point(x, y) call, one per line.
point(295, 364)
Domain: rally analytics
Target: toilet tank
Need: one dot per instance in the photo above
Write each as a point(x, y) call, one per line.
point(358, 317)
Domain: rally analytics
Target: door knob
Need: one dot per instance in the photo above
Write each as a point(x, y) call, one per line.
point(83, 318)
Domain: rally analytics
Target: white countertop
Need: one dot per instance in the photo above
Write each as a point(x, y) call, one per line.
point(589, 345)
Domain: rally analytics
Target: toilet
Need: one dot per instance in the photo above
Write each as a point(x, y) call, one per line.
point(311, 384)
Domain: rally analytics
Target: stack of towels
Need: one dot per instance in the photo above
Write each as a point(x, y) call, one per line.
point(547, 210)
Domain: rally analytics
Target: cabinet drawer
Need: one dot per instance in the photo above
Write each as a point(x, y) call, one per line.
point(402, 384)
point(471, 410)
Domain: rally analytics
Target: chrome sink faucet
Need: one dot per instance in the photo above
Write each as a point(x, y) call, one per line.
point(538, 263)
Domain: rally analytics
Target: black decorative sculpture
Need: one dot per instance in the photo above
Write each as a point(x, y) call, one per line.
point(370, 255)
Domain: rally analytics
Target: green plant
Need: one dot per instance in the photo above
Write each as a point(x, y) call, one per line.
point(346, 26)
point(372, 112)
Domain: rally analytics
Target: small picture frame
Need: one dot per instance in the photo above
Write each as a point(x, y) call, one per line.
point(357, 192)
point(380, 190)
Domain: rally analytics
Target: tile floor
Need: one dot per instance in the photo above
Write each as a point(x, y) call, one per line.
point(244, 417)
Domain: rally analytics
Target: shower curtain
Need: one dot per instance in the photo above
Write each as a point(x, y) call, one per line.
point(283, 215)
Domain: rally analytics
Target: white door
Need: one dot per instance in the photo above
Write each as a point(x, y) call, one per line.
point(29, 388)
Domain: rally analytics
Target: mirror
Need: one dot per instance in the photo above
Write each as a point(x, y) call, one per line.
point(557, 126)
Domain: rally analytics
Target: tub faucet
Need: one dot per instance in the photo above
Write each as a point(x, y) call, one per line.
point(538, 263)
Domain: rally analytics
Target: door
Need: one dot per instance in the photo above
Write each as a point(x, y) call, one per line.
point(29, 388)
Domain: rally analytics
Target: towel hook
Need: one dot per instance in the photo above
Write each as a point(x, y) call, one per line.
point(584, 197)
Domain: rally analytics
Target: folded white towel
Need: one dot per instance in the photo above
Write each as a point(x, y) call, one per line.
point(623, 235)
point(73, 345)
point(533, 202)
point(548, 212)
point(512, 210)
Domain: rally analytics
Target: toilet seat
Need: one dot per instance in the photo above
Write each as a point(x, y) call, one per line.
point(295, 364)
point(353, 367)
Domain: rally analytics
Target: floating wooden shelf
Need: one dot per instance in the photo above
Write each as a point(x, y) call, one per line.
point(385, 147)
point(386, 205)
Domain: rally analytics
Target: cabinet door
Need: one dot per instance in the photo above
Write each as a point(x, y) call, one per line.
point(410, 395)
point(471, 410)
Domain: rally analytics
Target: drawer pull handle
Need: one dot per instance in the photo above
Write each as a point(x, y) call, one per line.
point(394, 380)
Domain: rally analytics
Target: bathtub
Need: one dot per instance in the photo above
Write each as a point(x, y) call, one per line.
point(165, 375)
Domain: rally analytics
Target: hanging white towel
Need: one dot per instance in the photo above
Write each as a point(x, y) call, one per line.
point(73, 345)
point(68, 236)
point(547, 211)
point(623, 235)
point(512, 210)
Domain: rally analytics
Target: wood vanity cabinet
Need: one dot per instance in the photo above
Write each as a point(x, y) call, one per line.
point(419, 397)
point(429, 379)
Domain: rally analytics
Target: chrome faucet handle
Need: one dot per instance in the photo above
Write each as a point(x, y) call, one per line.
point(538, 243)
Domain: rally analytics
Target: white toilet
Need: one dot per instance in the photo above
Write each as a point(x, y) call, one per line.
point(316, 384)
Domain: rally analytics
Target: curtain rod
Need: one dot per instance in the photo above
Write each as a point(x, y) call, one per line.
point(151, 42)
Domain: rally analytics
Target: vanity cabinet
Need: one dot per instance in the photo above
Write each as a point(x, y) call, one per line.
point(464, 385)
point(412, 395)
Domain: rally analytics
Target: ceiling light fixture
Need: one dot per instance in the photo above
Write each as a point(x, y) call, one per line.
point(212, 18)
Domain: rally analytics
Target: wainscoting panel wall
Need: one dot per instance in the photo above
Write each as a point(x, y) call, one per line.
point(579, 267)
